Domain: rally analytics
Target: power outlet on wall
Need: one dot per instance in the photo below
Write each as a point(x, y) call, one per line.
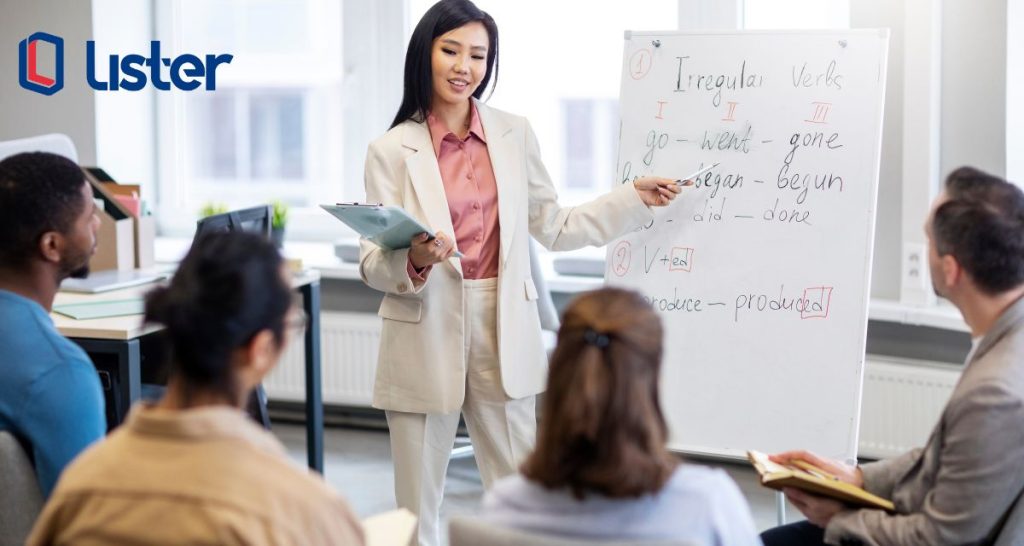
point(916, 284)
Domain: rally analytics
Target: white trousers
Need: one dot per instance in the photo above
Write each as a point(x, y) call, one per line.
point(502, 430)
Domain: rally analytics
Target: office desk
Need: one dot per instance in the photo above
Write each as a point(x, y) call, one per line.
point(120, 340)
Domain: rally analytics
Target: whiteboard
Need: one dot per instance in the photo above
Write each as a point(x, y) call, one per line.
point(760, 272)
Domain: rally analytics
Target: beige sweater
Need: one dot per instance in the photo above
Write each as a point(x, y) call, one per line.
point(200, 476)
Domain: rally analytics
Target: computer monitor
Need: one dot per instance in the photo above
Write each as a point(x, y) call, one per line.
point(253, 220)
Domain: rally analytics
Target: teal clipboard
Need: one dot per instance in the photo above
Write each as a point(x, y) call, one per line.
point(101, 309)
point(390, 228)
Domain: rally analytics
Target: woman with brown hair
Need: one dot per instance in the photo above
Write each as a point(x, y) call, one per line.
point(601, 469)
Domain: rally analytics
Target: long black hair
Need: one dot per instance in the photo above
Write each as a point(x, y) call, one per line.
point(441, 18)
point(227, 289)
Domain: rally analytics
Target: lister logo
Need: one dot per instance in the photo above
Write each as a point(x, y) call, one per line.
point(45, 80)
point(131, 72)
point(127, 72)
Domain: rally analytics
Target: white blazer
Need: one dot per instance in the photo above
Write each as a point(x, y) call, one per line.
point(421, 366)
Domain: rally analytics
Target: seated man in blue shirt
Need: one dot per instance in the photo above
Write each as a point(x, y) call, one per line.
point(50, 394)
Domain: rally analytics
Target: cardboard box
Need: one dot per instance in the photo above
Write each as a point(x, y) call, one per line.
point(115, 248)
point(117, 199)
point(145, 241)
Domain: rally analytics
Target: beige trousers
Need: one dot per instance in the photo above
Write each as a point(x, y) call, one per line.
point(502, 430)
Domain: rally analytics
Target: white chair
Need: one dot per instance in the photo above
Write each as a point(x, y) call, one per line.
point(545, 304)
point(54, 143)
point(466, 531)
point(20, 497)
point(549, 329)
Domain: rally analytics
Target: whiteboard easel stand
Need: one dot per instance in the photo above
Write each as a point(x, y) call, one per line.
point(780, 508)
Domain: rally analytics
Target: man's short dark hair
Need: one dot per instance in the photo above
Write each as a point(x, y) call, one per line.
point(39, 192)
point(982, 226)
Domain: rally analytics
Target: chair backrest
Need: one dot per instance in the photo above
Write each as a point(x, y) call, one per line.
point(20, 497)
point(545, 304)
point(467, 531)
point(54, 143)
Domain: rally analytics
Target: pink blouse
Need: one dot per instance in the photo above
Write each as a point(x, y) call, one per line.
point(472, 193)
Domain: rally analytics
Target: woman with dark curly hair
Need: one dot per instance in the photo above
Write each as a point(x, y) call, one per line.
point(194, 468)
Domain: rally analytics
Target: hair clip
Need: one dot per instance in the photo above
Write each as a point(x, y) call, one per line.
point(597, 339)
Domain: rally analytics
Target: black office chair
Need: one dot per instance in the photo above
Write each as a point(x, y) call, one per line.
point(254, 220)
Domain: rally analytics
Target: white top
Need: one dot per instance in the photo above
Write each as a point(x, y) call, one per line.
point(698, 504)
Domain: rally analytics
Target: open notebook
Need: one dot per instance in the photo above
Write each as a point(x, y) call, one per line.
point(813, 480)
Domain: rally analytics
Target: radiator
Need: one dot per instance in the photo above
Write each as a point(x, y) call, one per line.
point(901, 404)
point(348, 356)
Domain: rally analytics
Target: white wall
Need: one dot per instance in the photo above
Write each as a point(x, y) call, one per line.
point(70, 111)
point(975, 104)
point(1015, 91)
point(885, 270)
point(974, 100)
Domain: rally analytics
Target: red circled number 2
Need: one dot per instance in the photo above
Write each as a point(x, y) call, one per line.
point(620, 258)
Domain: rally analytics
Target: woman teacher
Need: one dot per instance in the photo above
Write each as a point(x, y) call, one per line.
point(463, 335)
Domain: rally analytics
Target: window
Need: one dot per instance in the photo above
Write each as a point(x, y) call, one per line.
point(292, 112)
point(560, 66)
point(589, 134)
point(251, 138)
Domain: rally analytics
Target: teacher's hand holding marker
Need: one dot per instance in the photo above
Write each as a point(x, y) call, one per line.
point(658, 192)
point(688, 181)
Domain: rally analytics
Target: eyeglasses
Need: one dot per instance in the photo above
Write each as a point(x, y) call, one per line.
point(298, 322)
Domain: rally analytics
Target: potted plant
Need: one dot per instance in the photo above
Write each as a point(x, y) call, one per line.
point(210, 208)
point(278, 220)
